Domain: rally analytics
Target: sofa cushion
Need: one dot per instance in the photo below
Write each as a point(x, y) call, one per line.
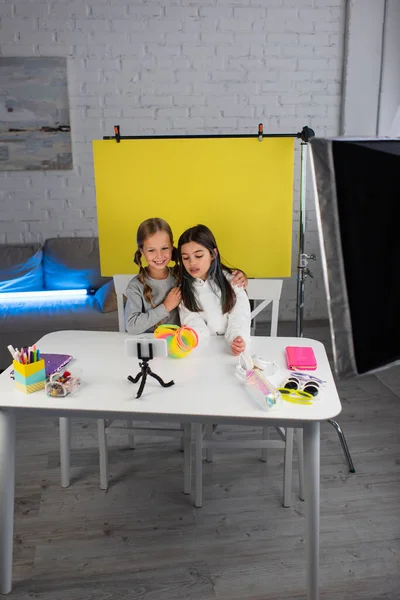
point(72, 263)
point(106, 297)
point(21, 267)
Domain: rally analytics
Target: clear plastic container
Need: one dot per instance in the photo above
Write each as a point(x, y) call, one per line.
point(60, 385)
point(259, 385)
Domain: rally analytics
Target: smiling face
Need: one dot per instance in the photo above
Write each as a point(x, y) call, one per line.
point(196, 259)
point(157, 250)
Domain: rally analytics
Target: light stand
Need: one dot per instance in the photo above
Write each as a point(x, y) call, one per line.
point(145, 371)
point(302, 259)
point(303, 271)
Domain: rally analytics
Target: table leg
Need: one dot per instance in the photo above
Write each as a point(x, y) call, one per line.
point(300, 456)
point(7, 485)
point(187, 458)
point(198, 462)
point(103, 453)
point(65, 437)
point(312, 492)
point(288, 467)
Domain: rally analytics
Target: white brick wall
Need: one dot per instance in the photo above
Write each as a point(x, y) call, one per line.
point(165, 67)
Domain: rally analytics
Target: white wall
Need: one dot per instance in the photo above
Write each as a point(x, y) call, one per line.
point(371, 77)
point(362, 66)
point(390, 83)
point(173, 67)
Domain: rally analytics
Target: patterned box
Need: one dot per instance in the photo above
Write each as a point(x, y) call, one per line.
point(30, 378)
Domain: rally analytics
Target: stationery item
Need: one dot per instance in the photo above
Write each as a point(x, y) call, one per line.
point(52, 362)
point(30, 377)
point(300, 357)
point(249, 371)
point(13, 352)
point(60, 385)
point(180, 340)
point(270, 394)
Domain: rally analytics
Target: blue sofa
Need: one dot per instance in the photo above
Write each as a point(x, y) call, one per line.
point(58, 264)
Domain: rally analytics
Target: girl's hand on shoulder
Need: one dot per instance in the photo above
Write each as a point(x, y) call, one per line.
point(239, 279)
point(238, 346)
point(173, 299)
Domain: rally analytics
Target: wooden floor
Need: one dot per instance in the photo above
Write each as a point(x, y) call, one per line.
point(142, 540)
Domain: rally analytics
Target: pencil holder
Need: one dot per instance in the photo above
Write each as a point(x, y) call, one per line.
point(29, 378)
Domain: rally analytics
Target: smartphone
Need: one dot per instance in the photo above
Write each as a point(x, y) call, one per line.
point(145, 348)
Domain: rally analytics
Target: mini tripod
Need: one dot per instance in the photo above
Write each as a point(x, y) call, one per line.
point(145, 370)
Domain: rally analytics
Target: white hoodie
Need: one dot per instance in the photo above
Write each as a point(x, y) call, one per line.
point(210, 320)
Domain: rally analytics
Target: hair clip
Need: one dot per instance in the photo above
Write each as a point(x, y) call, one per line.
point(307, 376)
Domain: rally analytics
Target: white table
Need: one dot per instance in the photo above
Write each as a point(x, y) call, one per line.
point(205, 391)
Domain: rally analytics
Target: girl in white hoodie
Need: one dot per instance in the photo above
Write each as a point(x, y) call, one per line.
point(210, 303)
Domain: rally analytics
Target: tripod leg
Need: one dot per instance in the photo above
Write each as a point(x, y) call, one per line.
point(142, 384)
point(135, 379)
point(345, 448)
point(160, 381)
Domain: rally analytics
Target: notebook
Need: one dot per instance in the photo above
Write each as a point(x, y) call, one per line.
point(52, 363)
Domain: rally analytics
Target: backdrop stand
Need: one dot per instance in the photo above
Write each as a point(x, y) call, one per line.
point(302, 259)
point(302, 264)
point(303, 272)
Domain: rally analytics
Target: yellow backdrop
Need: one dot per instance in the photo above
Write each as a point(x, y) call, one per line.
point(239, 187)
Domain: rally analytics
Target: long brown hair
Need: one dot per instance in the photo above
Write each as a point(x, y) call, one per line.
point(204, 236)
point(145, 230)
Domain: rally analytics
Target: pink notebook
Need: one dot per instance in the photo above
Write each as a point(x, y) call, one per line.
point(301, 358)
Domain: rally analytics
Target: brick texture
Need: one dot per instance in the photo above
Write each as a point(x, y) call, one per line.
point(206, 66)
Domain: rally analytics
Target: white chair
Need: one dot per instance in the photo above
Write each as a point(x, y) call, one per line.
point(263, 292)
point(104, 427)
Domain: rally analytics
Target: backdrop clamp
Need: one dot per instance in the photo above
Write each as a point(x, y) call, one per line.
point(117, 132)
point(305, 134)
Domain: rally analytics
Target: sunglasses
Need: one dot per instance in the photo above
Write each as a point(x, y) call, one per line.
point(308, 385)
point(296, 396)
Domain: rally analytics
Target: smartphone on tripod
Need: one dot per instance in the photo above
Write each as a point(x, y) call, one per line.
point(145, 348)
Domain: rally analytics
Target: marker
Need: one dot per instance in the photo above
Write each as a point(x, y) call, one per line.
point(12, 351)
